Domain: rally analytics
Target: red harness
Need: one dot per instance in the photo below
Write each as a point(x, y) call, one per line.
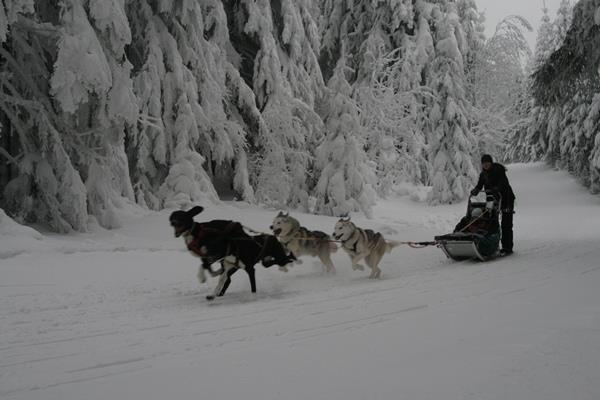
point(200, 232)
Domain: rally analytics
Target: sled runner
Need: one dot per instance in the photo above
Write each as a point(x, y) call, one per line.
point(477, 235)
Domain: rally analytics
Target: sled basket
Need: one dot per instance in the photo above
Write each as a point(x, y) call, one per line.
point(465, 246)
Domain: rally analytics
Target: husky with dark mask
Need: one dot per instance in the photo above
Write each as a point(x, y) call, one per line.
point(301, 241)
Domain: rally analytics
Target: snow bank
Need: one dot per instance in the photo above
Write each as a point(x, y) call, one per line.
point(16, 238)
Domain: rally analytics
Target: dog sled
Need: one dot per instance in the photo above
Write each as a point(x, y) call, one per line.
point(477, 235)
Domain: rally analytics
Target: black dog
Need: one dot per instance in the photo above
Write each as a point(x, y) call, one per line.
point(227, 242)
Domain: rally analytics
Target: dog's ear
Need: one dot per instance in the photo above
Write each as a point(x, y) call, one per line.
point(178, 216)
point(195, 211)
point(345, 218)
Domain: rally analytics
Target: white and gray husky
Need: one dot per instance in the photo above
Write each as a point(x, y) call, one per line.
point(362, 244)
point(303, 242)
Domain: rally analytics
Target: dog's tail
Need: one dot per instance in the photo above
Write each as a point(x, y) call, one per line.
point(390, 245)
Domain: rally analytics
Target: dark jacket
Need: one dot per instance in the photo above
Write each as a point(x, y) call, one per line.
point(495, 179)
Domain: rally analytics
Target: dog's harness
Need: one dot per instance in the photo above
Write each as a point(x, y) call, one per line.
point(291, 234)
point(370, 237)
point(199, 232)
point(354, 247)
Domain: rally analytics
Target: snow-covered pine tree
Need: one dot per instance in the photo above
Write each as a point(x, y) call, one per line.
point(499, 86)
point(191, 99)
point(286, 81)
point(592, 126)
point(3, 24)
point(573, 140)
point(529, 143)
point(472, 21)
point(96, 96)
point(345, 175)
point(562, 22)
point(224, 96)
point(367, 30)
point(342, 28)
point(590, 141)
point(565, 88)
point(391, 112)
point(559, 122)
point(389, 53)
point(517, 146)
point(545, 41)
point(147, 141)
point(43, 184)
point(451, 142)
point(500, 73)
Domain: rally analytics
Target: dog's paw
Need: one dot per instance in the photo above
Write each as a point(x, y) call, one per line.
point(375, 275)
point(201, 276)
point(283, 269)
point(358, 267)
point(210, 297)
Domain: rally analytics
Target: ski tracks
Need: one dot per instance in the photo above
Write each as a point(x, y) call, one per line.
point(54, 337)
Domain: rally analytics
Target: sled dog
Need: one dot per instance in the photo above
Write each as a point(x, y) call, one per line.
point(302, 242)
point(362, 244)
point(227, 242)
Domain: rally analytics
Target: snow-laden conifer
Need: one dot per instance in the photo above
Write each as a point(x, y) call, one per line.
point(345, 175)
point(451, 143)
point(286, 81)
point(562, 22)
point(43, 184)
point(546, 39)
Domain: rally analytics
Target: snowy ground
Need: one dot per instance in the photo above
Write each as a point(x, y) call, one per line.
point(120, 315)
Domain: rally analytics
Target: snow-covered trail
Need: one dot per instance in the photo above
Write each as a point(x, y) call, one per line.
point(114, 315)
